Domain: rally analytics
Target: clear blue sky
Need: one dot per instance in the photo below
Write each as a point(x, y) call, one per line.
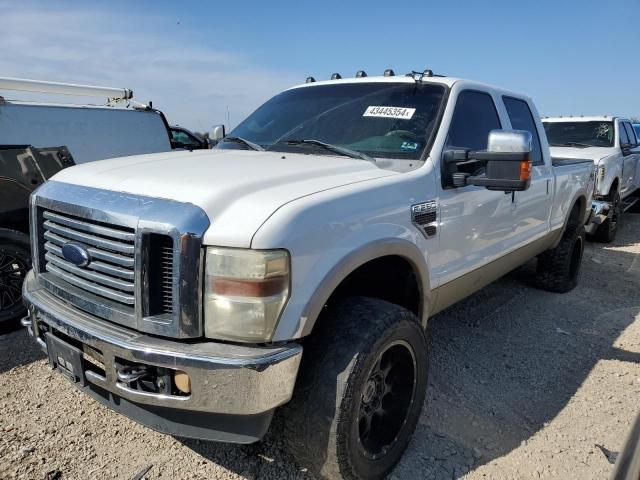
point(195, 59)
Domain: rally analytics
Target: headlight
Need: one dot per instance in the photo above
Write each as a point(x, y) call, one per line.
point(245, 292)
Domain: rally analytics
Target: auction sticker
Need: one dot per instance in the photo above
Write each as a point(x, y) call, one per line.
point(389, 112)
point(409, 146)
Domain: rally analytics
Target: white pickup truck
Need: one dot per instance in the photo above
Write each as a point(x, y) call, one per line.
point(612, 144)
point(296, 265)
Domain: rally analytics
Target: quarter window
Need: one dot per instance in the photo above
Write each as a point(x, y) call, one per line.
point(522, 119)
point(474, 117)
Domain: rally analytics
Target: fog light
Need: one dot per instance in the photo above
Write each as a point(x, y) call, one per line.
point(182, 381)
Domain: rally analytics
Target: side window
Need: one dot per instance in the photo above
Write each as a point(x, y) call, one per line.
point(622, 133)
point(522, 119)
point(474, 117)
point(630, 133)
point(183, 138)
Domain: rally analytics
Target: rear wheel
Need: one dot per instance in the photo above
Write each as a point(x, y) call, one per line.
point(360, 390)
point(559, 267)
point(607, 231)
point(15, 262)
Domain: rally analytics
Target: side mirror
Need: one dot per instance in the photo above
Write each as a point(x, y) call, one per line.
point(506, 162)
point(216, 134)
point(626, 148)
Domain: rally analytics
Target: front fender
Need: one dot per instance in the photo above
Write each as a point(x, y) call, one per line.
point(331, 234)
point(613, 172)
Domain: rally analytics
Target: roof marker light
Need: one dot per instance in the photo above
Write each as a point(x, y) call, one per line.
point(336, 76)
point(361, 73)
point(389, 73)
point(310, 80)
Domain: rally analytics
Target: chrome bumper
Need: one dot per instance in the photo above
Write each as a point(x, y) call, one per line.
point(229, 380)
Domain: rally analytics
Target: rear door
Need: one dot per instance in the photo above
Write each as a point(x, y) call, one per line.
point(532, 207)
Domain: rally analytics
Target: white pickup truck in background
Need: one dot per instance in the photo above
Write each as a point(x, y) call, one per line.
point(295, 266)
point(612, 144)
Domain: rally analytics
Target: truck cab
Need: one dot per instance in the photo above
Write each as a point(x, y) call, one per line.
point(294, 267)
point(611, 142)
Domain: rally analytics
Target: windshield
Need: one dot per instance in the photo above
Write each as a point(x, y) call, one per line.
point(587, 134)
point(636, 127)
point(388, 120)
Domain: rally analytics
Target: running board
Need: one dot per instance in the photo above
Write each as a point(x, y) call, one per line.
point(627, 203)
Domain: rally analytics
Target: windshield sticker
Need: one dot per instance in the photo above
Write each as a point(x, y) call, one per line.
point(389, 112)
point(409, 146)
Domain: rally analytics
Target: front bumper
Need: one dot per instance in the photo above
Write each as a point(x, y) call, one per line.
point(600, 211)
point(234, 388)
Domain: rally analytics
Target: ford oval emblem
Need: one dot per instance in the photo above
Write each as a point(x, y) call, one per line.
point(76, 254)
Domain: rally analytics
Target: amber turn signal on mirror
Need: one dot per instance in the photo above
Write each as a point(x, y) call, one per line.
point(525, 170)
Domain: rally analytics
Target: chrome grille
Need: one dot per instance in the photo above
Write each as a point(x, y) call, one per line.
point(158, 293)
point(110, 274)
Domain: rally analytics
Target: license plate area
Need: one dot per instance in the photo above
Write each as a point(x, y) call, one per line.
point(65, 358)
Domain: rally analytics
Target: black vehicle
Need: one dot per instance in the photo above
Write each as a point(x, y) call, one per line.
point(22, 169)
point(183, 138)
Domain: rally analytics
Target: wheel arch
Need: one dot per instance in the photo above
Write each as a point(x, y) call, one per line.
point(393, 251)
point(615, 184)
point(577, 212)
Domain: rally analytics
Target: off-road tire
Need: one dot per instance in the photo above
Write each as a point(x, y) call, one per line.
point(607, 230)
point(558, 268)
point(323, 423)
point(15, 261)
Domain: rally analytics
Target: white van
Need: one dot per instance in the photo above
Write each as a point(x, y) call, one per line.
point(90, 132)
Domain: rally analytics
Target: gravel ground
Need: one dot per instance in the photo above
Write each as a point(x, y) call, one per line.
point(524, 384)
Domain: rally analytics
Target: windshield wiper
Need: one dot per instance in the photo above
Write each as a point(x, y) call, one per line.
point(347, 152)
point(244, 141)
point(572, 144)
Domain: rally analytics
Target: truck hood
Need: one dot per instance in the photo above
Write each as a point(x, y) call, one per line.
point(592, 153)
point(237, 189)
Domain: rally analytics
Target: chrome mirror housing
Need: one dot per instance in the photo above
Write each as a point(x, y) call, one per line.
point(509, 141)
point(216, 134)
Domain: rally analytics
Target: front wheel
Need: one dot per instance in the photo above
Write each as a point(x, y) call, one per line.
point(360, 391)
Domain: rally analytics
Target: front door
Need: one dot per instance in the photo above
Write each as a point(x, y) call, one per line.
point(629, 181)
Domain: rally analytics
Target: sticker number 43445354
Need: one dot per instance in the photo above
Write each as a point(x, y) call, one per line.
point(389, 112)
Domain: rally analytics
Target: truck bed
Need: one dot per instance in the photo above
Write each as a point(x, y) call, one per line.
point(572, 175)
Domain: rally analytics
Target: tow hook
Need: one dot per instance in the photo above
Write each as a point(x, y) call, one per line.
point(132, 374)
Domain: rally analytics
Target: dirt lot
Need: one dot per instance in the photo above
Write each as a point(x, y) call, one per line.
point(525, 384)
